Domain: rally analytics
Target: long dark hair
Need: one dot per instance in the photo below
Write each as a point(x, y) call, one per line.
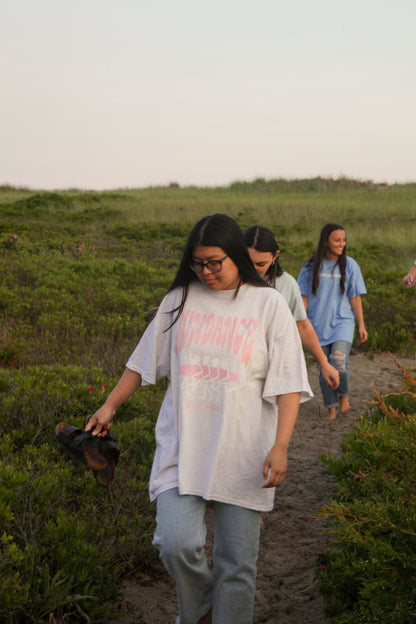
point(316, 260)
point(262, 239)
point(217, 230)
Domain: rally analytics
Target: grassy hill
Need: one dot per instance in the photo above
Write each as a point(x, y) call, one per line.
point(79, 269)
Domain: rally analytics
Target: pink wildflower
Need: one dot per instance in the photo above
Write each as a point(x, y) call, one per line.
point(103, 387)
point(14, 236)
point(90, 389)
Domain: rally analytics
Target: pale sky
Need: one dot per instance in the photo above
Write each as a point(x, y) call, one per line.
point(104, 94)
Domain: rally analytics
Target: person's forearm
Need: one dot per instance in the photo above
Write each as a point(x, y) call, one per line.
point(310, 340)
point(410, 278)
point(275, 463)
point(127, 385)
point(311, 343)
point(288, 407)
point(357, 308)
point(412, 271)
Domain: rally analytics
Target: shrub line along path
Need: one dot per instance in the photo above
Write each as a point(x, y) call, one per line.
point(292, 539)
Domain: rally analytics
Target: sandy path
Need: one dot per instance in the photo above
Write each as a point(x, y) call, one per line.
point(291, 541)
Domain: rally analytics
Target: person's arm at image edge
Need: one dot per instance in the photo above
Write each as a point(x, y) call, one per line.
point(410, 278)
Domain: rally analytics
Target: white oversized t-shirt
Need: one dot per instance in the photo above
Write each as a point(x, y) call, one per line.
point(227, 359)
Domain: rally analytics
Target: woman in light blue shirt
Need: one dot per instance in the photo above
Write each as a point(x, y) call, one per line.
point(331, 285)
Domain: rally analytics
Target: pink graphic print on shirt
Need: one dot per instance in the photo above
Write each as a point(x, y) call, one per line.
point(233, 334)
point(211, 373)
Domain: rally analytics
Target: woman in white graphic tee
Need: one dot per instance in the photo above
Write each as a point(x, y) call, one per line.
point(230, 348)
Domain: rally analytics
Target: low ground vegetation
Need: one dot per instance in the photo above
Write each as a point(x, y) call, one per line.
point(368, 573)
point(79, 272)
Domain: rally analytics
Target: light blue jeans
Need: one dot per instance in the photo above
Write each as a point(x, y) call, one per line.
point(338, 354)
point(180, 537)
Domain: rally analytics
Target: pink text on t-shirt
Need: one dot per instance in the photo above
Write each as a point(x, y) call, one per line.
point(233, 334)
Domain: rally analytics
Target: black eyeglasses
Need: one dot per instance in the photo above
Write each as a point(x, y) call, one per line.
point(214, 266)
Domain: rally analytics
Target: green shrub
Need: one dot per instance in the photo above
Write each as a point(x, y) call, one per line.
point(79, 272)
point(51, 548)
point(65, 542)
point(368, 573)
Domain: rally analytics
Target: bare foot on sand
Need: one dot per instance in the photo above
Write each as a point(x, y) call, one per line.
point(332, 413)
point(344, 405)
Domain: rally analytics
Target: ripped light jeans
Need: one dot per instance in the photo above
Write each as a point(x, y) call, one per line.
point(338, 354)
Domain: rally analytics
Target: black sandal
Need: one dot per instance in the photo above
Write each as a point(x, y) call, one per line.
point(108, 449)
point(99, 454)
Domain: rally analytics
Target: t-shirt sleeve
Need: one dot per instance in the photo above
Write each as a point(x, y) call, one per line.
point(297, 307)
point(287, 371)
point(152, 356)
point(356, 285)
point(304, 281)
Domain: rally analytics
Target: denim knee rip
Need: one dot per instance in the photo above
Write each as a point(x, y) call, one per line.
point(337, 360)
